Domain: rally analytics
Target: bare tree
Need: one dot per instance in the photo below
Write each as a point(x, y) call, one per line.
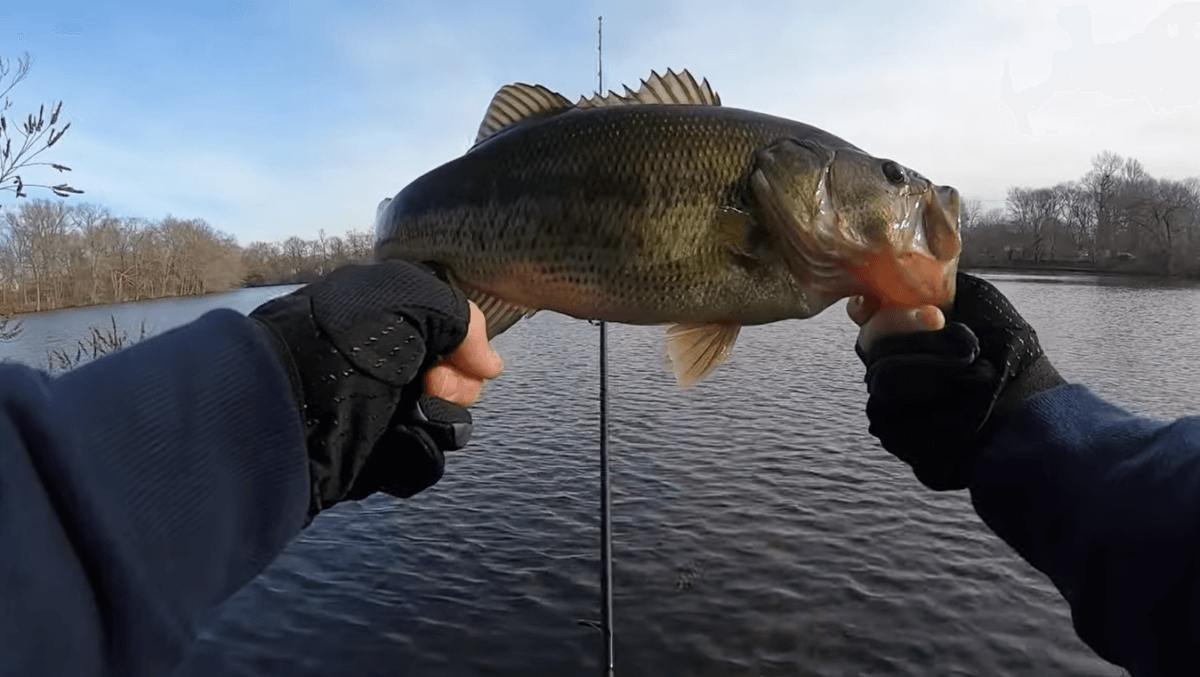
point(1165, 211)
point(37, 232)
point(989, 240)
point(1102, 183)
point(1078, 214)
point(1191, 240)
point(94, 223)
point(361, 245)
point(11, 265)
point(970, 214)
point(294, 250)
point(1035, 212)
point(53, 255)
point(320, 251)
point(36, 135)
point(298, 260)
point(1132, 172)
point(338, 254)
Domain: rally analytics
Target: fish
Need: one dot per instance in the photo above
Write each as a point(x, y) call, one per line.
point(662, 206)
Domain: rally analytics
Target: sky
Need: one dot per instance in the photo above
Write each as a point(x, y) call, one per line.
point(272, 119)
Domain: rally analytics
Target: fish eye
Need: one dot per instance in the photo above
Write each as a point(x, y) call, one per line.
point(893, 172)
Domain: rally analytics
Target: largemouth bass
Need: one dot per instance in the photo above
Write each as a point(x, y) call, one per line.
point(662, 206)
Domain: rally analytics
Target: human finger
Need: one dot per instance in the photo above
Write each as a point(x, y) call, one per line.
point(861, 308)
point(474, 356)
point(897, 321)
point(447, 382)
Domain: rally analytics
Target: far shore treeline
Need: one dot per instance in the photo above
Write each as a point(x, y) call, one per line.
point(55, 254)
point(1115, 218)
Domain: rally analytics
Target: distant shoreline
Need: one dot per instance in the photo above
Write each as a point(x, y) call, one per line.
point(15, 314)
point(1073, 267)
point(1042, 268)
point(1022, 267)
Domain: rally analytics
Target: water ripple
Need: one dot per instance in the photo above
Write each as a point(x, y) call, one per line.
point(758, 529)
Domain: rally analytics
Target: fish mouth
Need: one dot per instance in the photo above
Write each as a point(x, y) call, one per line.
point(929, 226)
point(910, 262)
point(917, 264)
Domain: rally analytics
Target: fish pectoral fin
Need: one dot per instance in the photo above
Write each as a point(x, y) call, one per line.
point(733, 231)
point(500, 315)
point(517, 102)
point(679, 89)
point(694, 350)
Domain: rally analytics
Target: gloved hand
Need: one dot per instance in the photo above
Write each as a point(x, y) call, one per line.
point(355, 345)
point(937, 396)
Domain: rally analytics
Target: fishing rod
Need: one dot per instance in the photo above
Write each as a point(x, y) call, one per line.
point(608, 659)
point(605, 626)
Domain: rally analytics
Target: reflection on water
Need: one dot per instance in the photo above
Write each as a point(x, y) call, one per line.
point(804, 548)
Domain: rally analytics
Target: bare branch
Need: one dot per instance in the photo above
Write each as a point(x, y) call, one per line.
point(22, 70)
point(37, 137)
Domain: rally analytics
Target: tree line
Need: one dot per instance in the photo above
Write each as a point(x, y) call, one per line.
point(55, 255)
point(1116, 216)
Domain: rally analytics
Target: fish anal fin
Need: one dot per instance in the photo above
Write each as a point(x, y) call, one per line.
point(694, 350)
point(500, 314)
point(517, 102)
point(670, 89)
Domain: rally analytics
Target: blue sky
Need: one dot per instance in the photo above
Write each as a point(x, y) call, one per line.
point(277, 119)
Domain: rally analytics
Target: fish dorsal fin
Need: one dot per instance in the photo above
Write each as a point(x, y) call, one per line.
point(517, 102)
point(670, 89)
point(381, 209)
point(694, 350)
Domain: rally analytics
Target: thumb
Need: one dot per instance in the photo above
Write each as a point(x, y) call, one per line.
point(899, 321)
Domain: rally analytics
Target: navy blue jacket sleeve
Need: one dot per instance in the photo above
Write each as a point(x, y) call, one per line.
point(139, 491)
point(1107, 505)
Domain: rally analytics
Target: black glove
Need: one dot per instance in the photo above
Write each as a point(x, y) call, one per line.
point(355, 345)
point(936, 397)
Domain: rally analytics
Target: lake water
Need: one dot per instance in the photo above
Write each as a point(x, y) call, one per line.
point(62, 330)
point(759, 530)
